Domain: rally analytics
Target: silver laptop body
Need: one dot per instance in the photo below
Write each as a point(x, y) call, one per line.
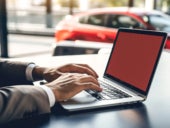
point(130, 68)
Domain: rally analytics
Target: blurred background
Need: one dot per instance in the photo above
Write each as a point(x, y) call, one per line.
point(35, 15)
point(31, 23)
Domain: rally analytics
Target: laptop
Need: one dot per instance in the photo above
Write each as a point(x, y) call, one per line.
point(129, 71)
point(128, 74)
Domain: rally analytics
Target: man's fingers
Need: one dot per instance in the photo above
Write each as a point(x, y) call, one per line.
point(88, 78)
point(85, 69)
point(91, 86)
point(85, 65)
point(78, 68)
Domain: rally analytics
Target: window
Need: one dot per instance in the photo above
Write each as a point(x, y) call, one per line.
point(93, 20)
point(83, 19)
point(116, 21)
point(160, 22)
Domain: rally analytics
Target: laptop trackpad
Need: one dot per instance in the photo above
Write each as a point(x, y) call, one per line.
point(81, 98)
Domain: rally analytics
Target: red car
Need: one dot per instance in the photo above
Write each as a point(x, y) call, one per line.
point(101, 24)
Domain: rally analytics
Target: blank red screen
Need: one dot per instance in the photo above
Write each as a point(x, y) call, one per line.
point(133, 58)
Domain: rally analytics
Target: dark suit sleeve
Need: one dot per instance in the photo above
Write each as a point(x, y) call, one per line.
point(18, 102)
point(12, 73)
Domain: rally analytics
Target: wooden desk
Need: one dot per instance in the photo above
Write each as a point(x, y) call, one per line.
point(153, 113)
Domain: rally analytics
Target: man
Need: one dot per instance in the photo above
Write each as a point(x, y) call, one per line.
point(21, 99)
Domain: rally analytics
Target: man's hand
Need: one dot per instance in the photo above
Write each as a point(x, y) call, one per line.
point(50, 74)
point(69, 84)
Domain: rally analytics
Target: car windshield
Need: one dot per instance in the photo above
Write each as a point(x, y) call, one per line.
point(160, 21)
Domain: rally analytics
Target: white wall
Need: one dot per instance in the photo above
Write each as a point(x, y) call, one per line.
point(149, 4)
point(84, 4)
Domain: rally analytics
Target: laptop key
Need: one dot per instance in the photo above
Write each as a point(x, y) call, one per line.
point(102, 96)
point(98, 95)
point(112, 92)
point(108, 93)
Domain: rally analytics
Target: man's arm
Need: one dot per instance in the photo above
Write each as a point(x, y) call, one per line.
point(21, 101)
point(13, 73)
point(18, 102)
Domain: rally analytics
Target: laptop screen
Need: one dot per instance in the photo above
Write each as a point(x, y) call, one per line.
point(134, 58)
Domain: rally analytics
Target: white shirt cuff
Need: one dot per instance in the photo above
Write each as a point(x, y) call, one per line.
point(48, 91)
point(28, 71)
point(50, 94)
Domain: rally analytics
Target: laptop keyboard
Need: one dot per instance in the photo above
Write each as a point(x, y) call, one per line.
point(109, 92)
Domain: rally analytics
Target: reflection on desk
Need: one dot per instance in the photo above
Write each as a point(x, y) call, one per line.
point(153, 113)
point(133, 116)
